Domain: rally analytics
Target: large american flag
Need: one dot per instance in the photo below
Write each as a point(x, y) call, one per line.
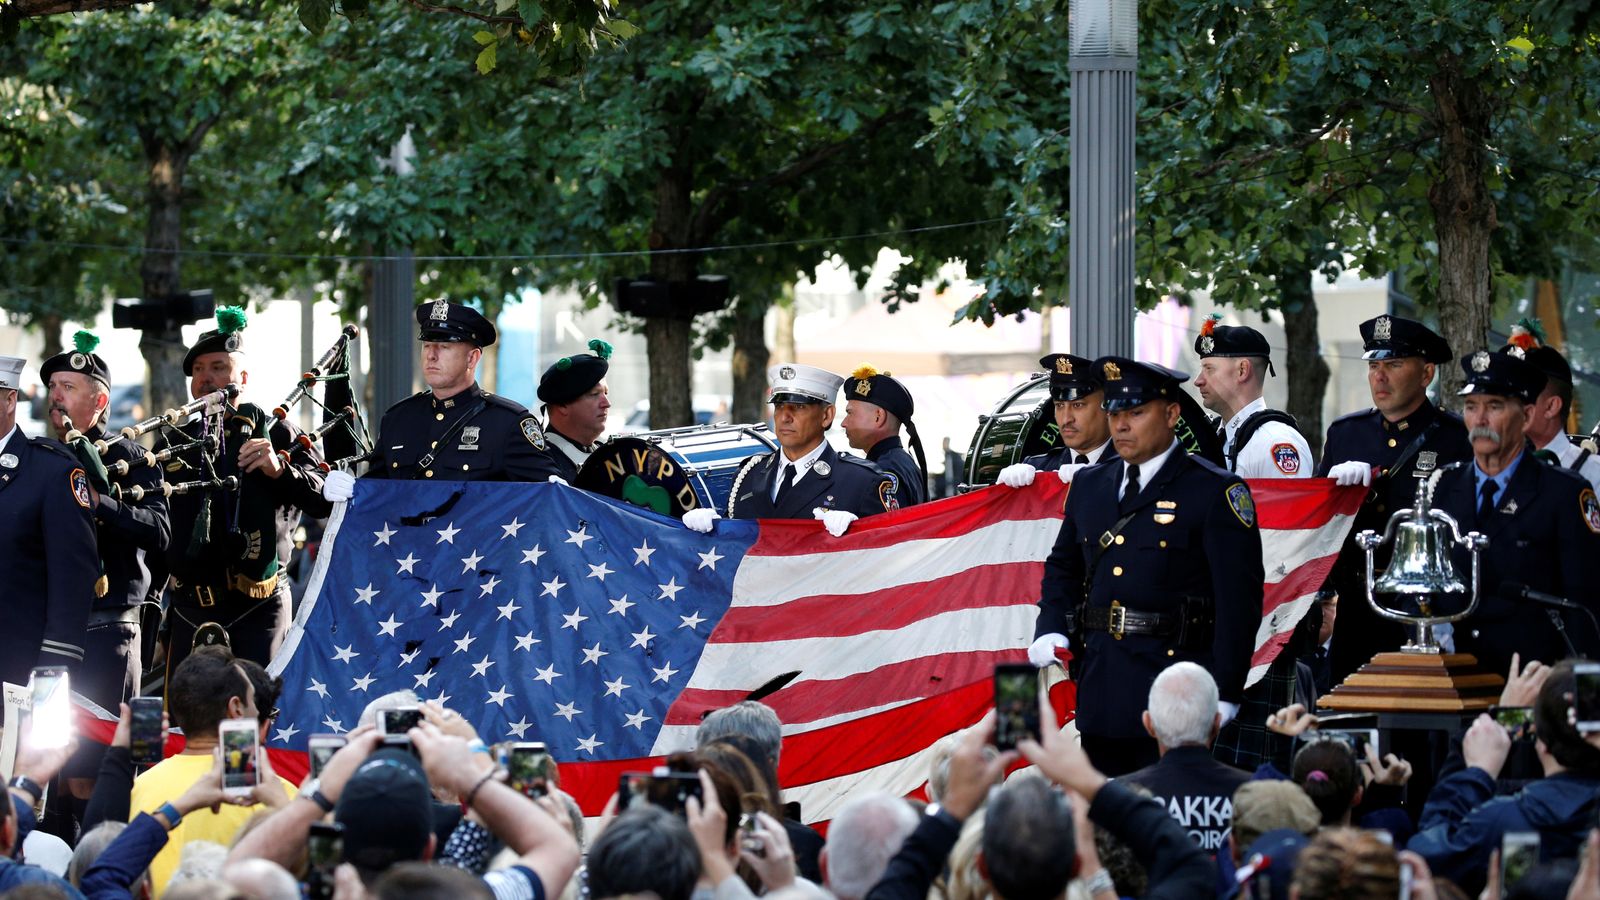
point(542, 612)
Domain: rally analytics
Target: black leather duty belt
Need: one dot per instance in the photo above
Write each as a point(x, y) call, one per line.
point(1117, 620)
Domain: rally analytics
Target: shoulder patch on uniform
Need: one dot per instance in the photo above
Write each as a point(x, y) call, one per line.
point(1286, 458)
point(534, 434)
point(1242, 504)
point(887, 495)
point(79, 483)
point(1590, 508)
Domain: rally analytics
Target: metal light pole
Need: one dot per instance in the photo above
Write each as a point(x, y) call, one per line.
point(390, 324)
point(1103, 37)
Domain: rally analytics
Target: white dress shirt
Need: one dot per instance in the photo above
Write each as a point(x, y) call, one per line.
point(1274, 451)
point(1566, 451)
point(801, 467)
point(1147, 470)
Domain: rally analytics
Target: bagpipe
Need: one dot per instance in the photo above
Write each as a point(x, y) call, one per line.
point(342, 431)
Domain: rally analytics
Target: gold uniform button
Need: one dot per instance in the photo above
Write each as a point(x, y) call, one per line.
point(1392, 442)
point(394, 465)
point(439, 417)
point(1169, 653)
point(1116, 570)
point(1119, 539)
point(432, 444)
point(428, 473)
point(1163, 545)
point(463, 467)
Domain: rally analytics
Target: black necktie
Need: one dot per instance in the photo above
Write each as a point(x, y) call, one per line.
point(1132, 490)
point(785, 484)
point(1486, 501)
point(1081, 460)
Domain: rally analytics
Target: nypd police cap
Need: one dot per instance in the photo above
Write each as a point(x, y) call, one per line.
point(1071, 377)
point(444, 322)
point(1129, 383)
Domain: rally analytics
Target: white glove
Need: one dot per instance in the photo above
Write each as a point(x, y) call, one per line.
point(1227, 711)
point(1017, 475)
point(557, 479)
point(338, 486)
point(1042, 652)
point(837, 521)
point(1070, 469)
point(700, 519)
point(1352, 472)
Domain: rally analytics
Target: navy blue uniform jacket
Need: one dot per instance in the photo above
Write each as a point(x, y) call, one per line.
point(911, 487)
point(851, 484)
point(1542, 535)
point(501, 442)
point(1194, 544)
point(48, 556)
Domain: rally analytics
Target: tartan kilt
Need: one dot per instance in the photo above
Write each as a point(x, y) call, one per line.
point(1245, 742)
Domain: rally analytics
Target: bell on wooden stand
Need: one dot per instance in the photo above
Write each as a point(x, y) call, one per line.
point(1421, 677)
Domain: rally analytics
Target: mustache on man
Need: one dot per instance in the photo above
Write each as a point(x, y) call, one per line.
point(1484, 432)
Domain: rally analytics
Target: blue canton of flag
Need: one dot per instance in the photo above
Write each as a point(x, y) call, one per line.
point(539, 612)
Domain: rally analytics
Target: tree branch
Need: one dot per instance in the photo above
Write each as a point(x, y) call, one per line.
point(459, 11)
point(712, 213)
point(31, 9)
point(1334, 118)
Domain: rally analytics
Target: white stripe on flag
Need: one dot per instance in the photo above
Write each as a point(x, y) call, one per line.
point(673, 738)
point(775, 580)
point(736, 666)
point(1294, 547)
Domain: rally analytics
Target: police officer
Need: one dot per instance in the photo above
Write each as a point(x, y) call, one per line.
point(1542, 522)
point(576, 401)
point(455, 430)
point(1076, 395)
point(1257, 442)
point(131, 534)
point(225, 559)
point(1547, 417)
point(876, 405)
point(805, 478)
point(1158, 560)
point(1403, 437)
point(47, 544)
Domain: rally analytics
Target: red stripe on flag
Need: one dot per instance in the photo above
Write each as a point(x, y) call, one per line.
point(1291, 504)
point(841, 615)
point(1304, 579)
point(943, 518)
point(808, 701)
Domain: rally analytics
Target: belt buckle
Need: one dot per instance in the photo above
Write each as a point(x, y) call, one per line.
point(204, 594)
point(1118, 621)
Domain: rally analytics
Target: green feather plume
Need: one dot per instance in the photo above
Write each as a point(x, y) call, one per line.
point(85, 341)
point(231, 319)
point(600, 348)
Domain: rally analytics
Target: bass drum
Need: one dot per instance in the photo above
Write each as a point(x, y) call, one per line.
point(674, 470)
point(1023, 424)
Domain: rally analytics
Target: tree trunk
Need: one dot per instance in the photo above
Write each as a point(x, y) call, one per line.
point(1303, 364)
point(750, 359)
point(1464, 215)
point(163, 347)
point(489, 368)
point(49, 325)
point(783, 327)
point(666, 338)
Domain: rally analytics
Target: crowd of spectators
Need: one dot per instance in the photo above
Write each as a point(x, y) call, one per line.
point(432, 816)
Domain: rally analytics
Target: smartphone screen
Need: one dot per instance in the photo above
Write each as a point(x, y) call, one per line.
point(1016, 704)
point(325, 846)
point(1519, 853)
point(668, 790)
point(529, 766)
point(320, 748)
point(238, 739)
point(1586, 697)
point(1516, 720)
point(52, 707)
point(399, 721)
point(1357, 739)
point(144, 730)
point(324, 852)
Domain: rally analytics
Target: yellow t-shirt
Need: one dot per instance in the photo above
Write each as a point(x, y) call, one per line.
point(165, 782)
